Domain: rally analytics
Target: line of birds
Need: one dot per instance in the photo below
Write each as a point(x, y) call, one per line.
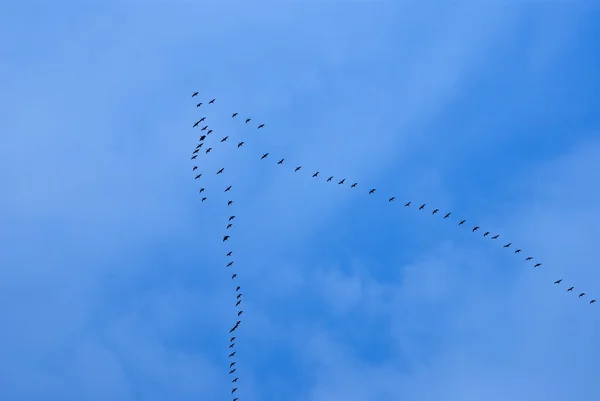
point(238, 299)
point(316, 174)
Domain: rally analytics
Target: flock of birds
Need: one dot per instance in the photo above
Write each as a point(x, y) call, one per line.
point(206, 131)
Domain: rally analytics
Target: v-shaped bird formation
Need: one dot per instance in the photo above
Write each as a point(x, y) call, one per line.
point(316, 174)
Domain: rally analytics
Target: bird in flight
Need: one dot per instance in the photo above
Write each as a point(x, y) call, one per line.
point(529, 258)
point(593, 301)
point(232, 354)
point(486, 233)
point(204, 128)
point(234, 390)
point(237, 288)
point(193, 157)
point(212, 101)
point(342, 181)
point(229, 253)
point(203, 137)
point(208, 150)
point(199, 104)
point(203, 199)
point(507, 245)
point(202, 119)
point(234, 114)
point(280, 161)
point(260, 126)
point(225, 238)
point(239, 296)
point(297, 168)
point(224, 139)
point(263, 156)
point(234, 275)
point(517, 251)
point(391, 199)
point(407, 204)
point(315, 174)
point(422, 207)
point(228, 188)
point(232, 339)
point(462, 222)
point(232, 371)
point(372, 191)
point(238, 302)
point(435, 211)
point(240, 144)
point(475, 228)
point(582, 294)
point(198, 176)
point(496, 236)
point(195, 168)
point(229, 203)
point(196, 124)
point(537, 265)
point(447, 215)
point(195, 151)
point(570, 289)
point(240, 312)
point(353, 185)
point(209, 131)
point(231, 218)
point(221, 171)
point(201, 190)
point(195, 94)
point(558, 281)
point(231, 345)
point(228, 226)
point(248, 120)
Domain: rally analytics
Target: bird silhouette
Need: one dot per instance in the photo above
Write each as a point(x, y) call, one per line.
point(391, 199)
point(570, 289)
point(201, 190)
point(195, 94)
point(435, 211)
point(582, 294)
point(264, 156)
point(529, 258)
point(228, 188)
point(231, 218)
point(240, 144)
point(537, 265)
point(232, 354)
point(447, 215)
point(199, 104)
point(195, 168)
point(229, 253)
point(558, 281)
point(248, 120)
point(225, 238)
point(353, 185)
point(212, 101)
point(297, 168)
point(422, 206)
point(330, 178)
point(372, 191)
point(260, 126)
point(229, 264)
point(593, 301)
point(193, 157)
point(315, 174)
point(407, 204)
point(220, 171)
point(224, 138)
point(496, 236)
point(507, 245)
point(475, 228)
point(229, 203)
point(203, 199)
point(517, 251)
point(234, 275)
point(208, 150)
point(280, 161)
point(462, 222)
point(232, 371)
point(342, 181)
point(234, 114)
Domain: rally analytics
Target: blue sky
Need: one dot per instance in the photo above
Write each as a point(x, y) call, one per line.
point(112, 278)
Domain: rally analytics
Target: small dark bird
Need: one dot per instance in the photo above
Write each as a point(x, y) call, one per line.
point(391, 199)
point(199, 104)
point(228, 226)
point(229, 203)
point(209, 131)
point(234, 275)
point(486, 233)
point(582, 294)
point(203, 137)
point(195, 168)
point(372, 191)
point(240, 144)
point(233, 390)
point(422, 207)
point(558, 281)
point(196, 124)
point(234, 380)
point(518, 251)
point(198, 176)
point(315, 174)
point(232, 354)
point(225, 238)
point(208, 150)
point(229, 253)
point(462, 222)
point(195, 94)
point(212, 101)
point(231, 218)
point(232, 371)
point(342, 181)
point(237, 288)
point(203, 199)
point(238, 302)
point(435, 211)
point(260, 126)
point(229, 264)
point(193, 157)
point(353, 185)
point(447, 215)
point(231, 365)
point(233, 329)
point(248, 120)
point(228, 188)
point(507, 245)
point(224, 139)
point(496, 236)
point(529, 258)
point(264, 156)
point(570, 289)
point(407, 204)
point(234, 114)
point(201, 190)
point(239, 296)
point(195, 151)
point(537, 265)
point(221, 171)
point(280, 161)
point(475, 228)
point(593, 301)
point(240, 313)
point(202, 119)
point(330, 178)
point(231, 345)
point(204, 128)
point(232, 339)
point(298, 168)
